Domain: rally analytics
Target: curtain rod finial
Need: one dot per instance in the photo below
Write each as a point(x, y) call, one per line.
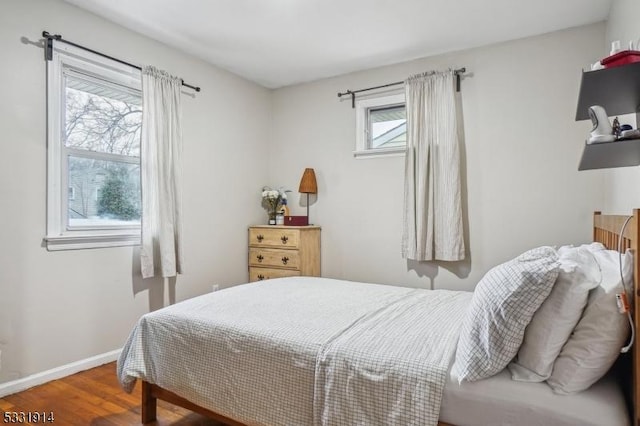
point(47, 34)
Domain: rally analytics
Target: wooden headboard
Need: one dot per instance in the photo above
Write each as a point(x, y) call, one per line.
point(606, 230)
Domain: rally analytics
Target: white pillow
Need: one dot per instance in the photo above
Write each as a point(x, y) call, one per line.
point(601, 332)
point(502, 305)
point(553, 323)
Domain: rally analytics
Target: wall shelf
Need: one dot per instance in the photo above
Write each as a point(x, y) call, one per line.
point(616, 89)
point(605, 155)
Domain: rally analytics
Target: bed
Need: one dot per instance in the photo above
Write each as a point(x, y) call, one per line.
point(291, 367)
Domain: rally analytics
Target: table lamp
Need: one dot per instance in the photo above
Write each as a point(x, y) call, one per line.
point(308, 185)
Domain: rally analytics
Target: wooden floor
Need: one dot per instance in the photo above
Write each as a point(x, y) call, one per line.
point(94, 397)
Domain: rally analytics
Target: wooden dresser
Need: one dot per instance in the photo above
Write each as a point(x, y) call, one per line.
point(283, 251)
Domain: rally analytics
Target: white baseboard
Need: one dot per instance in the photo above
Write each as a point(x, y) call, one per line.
point(24, 383)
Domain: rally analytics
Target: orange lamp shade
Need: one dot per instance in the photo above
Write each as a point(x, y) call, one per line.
point(308, 184)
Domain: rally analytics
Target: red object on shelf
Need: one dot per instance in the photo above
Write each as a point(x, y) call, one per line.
point(296, 220)
point(621, 58)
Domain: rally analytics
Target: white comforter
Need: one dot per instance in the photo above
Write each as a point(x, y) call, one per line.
point(303, 351)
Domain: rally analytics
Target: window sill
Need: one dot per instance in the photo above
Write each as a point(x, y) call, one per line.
point(375, 153)
point(78, 242)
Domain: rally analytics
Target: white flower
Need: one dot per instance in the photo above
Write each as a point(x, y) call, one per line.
point(273, 199)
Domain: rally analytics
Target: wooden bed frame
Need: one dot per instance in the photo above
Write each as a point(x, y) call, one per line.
point(606, 230)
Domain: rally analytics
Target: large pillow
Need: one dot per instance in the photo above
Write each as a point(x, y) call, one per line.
point(502, 305)
point(553, 323)
point(601, 332)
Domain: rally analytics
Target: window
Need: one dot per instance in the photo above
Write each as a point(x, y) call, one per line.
point(95, 118)
point(381, 125)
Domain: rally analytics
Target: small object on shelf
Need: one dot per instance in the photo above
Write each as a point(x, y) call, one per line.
point(284, 210)
point(272, 200)
point(602, 130)
point(597, 66)
point(621, 58)
point(279, 219)
point(615, 47)
point(630, 134)
point(616, 127)
point(308, 185)
point(296, 220)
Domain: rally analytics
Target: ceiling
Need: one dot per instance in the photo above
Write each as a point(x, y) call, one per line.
point(277, 43)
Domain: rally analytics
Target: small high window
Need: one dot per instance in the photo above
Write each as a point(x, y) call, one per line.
point(381, 125)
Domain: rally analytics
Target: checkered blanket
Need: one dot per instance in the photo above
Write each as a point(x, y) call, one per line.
point(279, 352)
point(390, 367)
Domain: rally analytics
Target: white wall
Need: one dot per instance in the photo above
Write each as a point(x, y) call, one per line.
point(522, 185)
point(522, 150)
point(622, 194)
point(60, 307)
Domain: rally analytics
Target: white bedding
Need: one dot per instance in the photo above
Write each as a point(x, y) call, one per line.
point(255, 352)
point(500, 401)
point(250, 352)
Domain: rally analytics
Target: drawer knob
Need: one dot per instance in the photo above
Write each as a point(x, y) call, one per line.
point(260, 237)
point(259, 257)
point(285, 259)
point(284, 239)
point(260, 277)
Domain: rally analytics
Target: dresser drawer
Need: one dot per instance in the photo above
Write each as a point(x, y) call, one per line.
point(274, 257)
point(283, 251)
point(259, 274)
point(276, 237)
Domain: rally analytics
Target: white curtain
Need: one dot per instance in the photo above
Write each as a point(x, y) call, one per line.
point(432, 226)
point(161, 250)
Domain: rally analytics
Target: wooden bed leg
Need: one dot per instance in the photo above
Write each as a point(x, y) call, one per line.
point(148, 404)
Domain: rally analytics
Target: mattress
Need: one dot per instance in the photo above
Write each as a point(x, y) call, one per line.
point(500, 401)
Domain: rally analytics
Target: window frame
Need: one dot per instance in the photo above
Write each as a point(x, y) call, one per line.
point(363, 106)
point(59, 235)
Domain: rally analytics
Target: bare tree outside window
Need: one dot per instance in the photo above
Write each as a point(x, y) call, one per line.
point(102, 139)
point(94, 128)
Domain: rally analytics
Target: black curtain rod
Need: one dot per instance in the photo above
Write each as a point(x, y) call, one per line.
point(353, 92)
point(48, 53)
